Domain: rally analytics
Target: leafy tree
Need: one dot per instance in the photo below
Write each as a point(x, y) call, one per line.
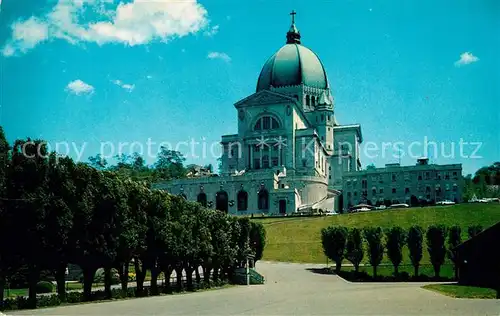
point(436, 238)
point(334, 239)
point(415, 246)
point(98, 162)
point(257, 240)
point(138, 162)
point(395, 240)
point(220, 229)
point(5, 254)
point(132, 228)
point(170, 164)
point(373, 236)
point(354, 248)
point(454, 239)
point(157, 255)
point(59, 219)
point(27, 191)
point(474, 230)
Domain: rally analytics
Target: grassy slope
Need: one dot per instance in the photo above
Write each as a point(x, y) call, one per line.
point(461, 291)
point(298, 239)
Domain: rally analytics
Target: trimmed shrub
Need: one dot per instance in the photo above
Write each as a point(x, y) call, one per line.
point(395, 240)
point(44, 287)
point(454, 239)
point(333, 239)
point(436, 238)
point(354, 248)
point(48, 300)
point(415, 242)
point(99, 276)
point(373, 236)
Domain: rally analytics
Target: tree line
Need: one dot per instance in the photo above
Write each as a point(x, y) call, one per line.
point(55, 212)
point(485, 183)
point(341, 243)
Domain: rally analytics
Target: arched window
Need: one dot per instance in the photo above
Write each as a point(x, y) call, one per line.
point(242, 201)
point(263, 201)
point(202, 199)
point(266, 123)
point(221, 201)
point(313, 101)
point(308, 101)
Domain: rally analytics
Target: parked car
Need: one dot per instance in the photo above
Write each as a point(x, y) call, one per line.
point(445, 202)
point(401, 205)
point(330, 213)
point(381, 207)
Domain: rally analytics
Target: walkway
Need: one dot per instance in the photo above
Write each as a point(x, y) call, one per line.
point(292, 289)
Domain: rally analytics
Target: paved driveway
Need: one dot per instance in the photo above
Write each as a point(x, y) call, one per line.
point(292, 289)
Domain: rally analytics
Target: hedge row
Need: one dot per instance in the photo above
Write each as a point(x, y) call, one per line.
point(341, 243)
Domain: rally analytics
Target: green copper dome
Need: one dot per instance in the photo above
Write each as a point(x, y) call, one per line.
point(293, 64)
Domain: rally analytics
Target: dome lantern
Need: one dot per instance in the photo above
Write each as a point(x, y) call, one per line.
point(293, 35)
point(292, 65)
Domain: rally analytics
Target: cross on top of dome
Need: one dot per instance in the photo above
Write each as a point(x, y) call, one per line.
point(293, 35)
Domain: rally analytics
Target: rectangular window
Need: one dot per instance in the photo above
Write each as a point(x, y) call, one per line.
point(381, 190)
point(427, 176)
point(355, 193)
point(407, 190)
point(322, 117)
point(447, 176)
point(394, 190)
point(393, 177)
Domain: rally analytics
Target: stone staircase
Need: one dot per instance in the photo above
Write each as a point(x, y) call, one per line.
point(240, 277)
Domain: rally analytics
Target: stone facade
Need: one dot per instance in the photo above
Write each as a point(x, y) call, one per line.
point(284, 157)
point(397, 184)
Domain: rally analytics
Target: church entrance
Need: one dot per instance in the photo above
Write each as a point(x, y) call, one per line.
point(282, 206)
point(221, 201)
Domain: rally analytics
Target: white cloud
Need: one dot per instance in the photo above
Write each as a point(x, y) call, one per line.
point(26, 35)
point(465, 59)
point(79, 87)
point(212, 31)
point(149, 77)
point(137, 22)
point(126, 86)
point(219, 55)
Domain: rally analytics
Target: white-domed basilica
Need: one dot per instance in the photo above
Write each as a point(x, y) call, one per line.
point(289, 153)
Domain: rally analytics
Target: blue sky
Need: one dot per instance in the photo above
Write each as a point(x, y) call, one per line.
point(102, 71)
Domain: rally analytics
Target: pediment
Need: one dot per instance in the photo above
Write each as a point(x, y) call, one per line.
point(264, 97)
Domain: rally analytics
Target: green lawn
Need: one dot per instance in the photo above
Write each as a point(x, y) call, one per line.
point(461, 291)
point(69, 287)
point(296, 239)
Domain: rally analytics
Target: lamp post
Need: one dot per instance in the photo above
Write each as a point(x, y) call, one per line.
point(248, 272)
